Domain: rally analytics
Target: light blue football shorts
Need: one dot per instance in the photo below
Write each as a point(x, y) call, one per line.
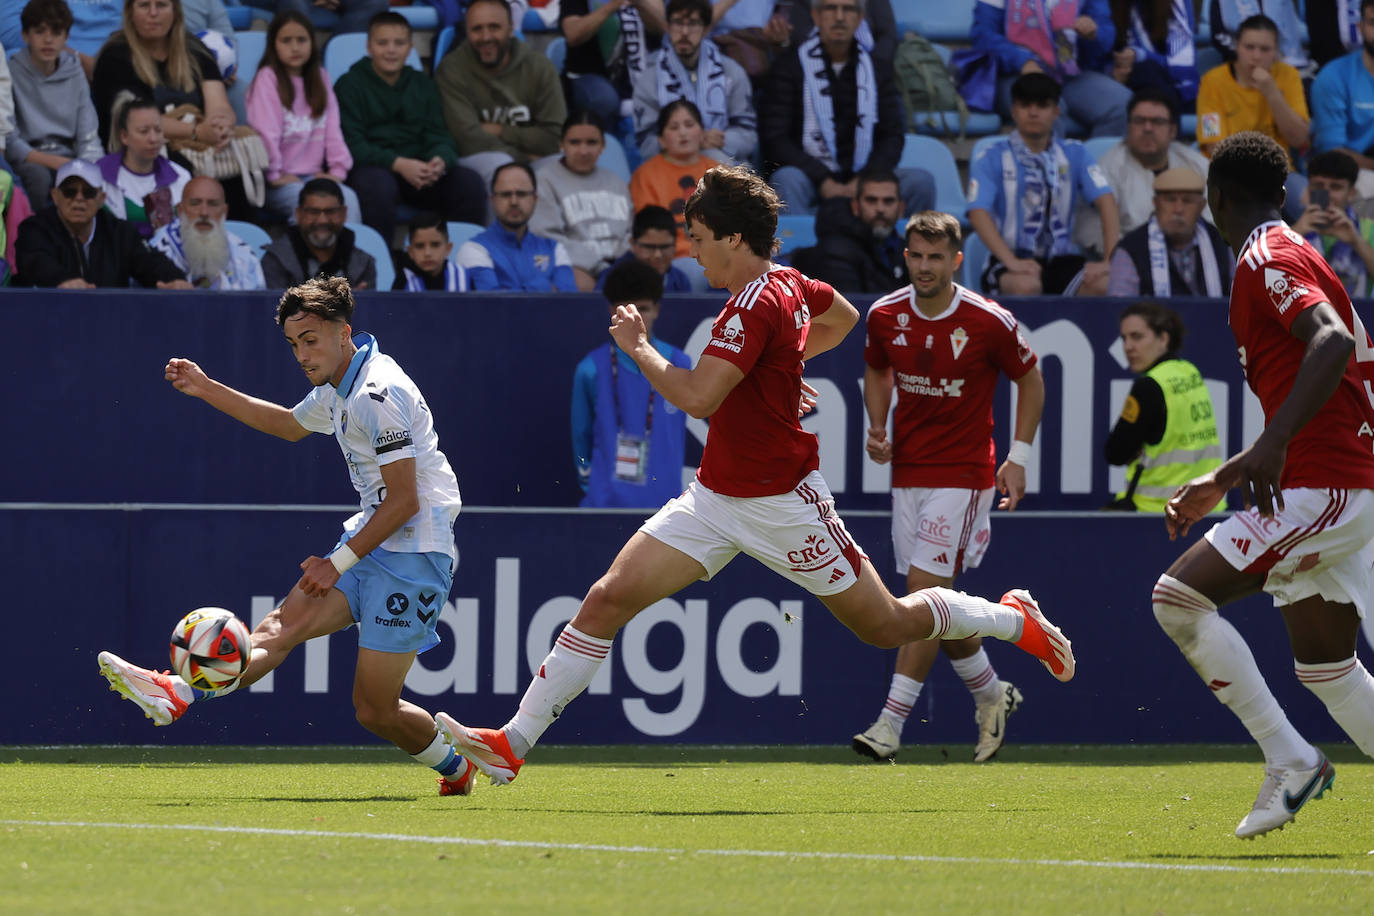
point(396, 599)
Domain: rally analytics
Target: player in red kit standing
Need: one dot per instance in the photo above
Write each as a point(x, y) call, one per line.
point(757, 491)
point(1306, 536)
point(942, 347)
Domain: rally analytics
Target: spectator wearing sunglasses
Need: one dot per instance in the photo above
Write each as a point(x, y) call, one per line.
point(77, 244)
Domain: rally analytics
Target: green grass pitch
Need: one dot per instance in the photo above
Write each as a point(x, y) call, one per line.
point(672, 829)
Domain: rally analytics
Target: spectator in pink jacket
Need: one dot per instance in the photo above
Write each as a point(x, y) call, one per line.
point(292, 105)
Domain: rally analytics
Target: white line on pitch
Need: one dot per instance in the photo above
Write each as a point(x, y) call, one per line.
point(663, 850)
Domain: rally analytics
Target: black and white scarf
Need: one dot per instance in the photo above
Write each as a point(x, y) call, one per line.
point(709, 91)
point(818, 109)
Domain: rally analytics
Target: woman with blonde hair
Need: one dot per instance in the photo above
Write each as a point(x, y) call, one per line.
point(153, 55)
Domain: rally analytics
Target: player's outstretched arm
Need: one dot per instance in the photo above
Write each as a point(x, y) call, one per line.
point(830, 327)
point(398, 506)
point(189, 378)
point(698, 391)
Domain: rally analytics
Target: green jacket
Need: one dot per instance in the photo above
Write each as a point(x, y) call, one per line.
point(381, 122)
point(525, 98)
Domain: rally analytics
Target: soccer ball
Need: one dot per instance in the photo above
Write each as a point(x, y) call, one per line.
point(210, 648)
point(222, 50)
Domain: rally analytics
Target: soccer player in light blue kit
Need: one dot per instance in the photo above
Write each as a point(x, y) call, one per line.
point(391, 571)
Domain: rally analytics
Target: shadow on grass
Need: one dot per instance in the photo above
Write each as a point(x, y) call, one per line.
point(1252, 857)
point(663, 756)
point(304, 800)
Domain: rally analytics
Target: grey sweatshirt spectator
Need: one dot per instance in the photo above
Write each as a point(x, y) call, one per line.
point(53, 114)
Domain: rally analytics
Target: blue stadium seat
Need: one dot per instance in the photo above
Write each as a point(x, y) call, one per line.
point(240, 17)
point(252, 233)
point(979, 123)
point(975, 259)
point(796, 230)
point(458, 233)
point(613, 158)
point(1187, 126)
point(442, 43)
point(1099, 145)
point(556, 51)
point(250, 47)
point(936, 20)
point(981, 144)
point(934, 156)
point(420, 16)
point(370, 240)
point(347, 48)
point(1202, 34)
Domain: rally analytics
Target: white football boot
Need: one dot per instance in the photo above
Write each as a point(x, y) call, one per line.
point(1282, 793)
point(992, 721)
point(880, 741)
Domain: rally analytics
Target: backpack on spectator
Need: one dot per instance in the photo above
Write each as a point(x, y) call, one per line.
point(926, 85)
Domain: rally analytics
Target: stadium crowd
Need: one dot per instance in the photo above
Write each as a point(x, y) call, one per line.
point(386, 172)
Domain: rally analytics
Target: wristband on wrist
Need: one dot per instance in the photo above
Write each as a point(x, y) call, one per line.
point(1019, 453)
point(343, 558)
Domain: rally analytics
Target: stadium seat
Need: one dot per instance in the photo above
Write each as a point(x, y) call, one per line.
point(1187, 126)
point(936, 20)
point(934, 156)
point(250, 47)
point(946, 123)
point(240, 17)
point(347, 48)
point(975, 259)
point(556, 51)
point(695, 275)
point(981, 144)
point(370, 240)
point(796, 230)
point(256, 236)
point(533, 22)
point(442, 43)
point(1208, 58)
point(1202, 33)
point(420, 16)
point(1098, 146)
point(613, 158)
point(458, 233)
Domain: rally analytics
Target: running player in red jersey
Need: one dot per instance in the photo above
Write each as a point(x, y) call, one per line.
point(758, 490)
point(1306, 536)
point(942, 348)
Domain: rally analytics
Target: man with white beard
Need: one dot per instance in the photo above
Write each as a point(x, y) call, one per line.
point(198, 243)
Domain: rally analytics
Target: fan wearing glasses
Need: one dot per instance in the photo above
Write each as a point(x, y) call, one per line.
point(77, 244)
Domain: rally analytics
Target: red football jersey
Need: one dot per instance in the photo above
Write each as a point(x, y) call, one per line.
point(945, 375)
point(1278, 276)
point(755, 445)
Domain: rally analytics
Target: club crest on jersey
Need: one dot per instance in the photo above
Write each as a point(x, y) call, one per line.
point(958, 340)
point(541, 262)
point(343, 422)
point(1282, 289)
point(903, 319)
point(730, 336)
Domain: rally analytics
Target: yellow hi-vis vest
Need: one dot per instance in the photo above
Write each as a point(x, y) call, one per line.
point(1190, 446)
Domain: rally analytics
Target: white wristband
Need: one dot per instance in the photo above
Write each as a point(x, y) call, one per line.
point(343, 558)
point(1019, 453)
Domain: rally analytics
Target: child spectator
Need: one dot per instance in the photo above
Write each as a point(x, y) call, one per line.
point(426, 262)
point(582, 205)
point(142, 186)
point(653, 240)
point(628, 443)
point(401, 149)
point(292, 106)
point(669, 178)
point(54, 120)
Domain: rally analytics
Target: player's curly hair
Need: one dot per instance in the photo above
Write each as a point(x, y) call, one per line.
point(734, 199)
point(329, 298)
point(1250, 166)
point(1161, 320)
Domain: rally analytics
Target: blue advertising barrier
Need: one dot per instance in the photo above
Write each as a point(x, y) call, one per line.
point(127, 504)
point(744, 658)
point(84, 370)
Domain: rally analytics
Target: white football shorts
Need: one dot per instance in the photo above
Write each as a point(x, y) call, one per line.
point(940, 530)
point(798, 534)
point(1322, 543)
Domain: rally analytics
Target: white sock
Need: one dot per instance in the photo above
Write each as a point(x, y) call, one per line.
point(901, 696)
point(1348, 692)
point(978, 676)
point(1219, 654)
point(959, 615)
point(566, 672)
point(439, 757)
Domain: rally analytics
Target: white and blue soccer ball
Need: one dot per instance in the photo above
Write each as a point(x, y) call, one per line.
point(225, 54)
